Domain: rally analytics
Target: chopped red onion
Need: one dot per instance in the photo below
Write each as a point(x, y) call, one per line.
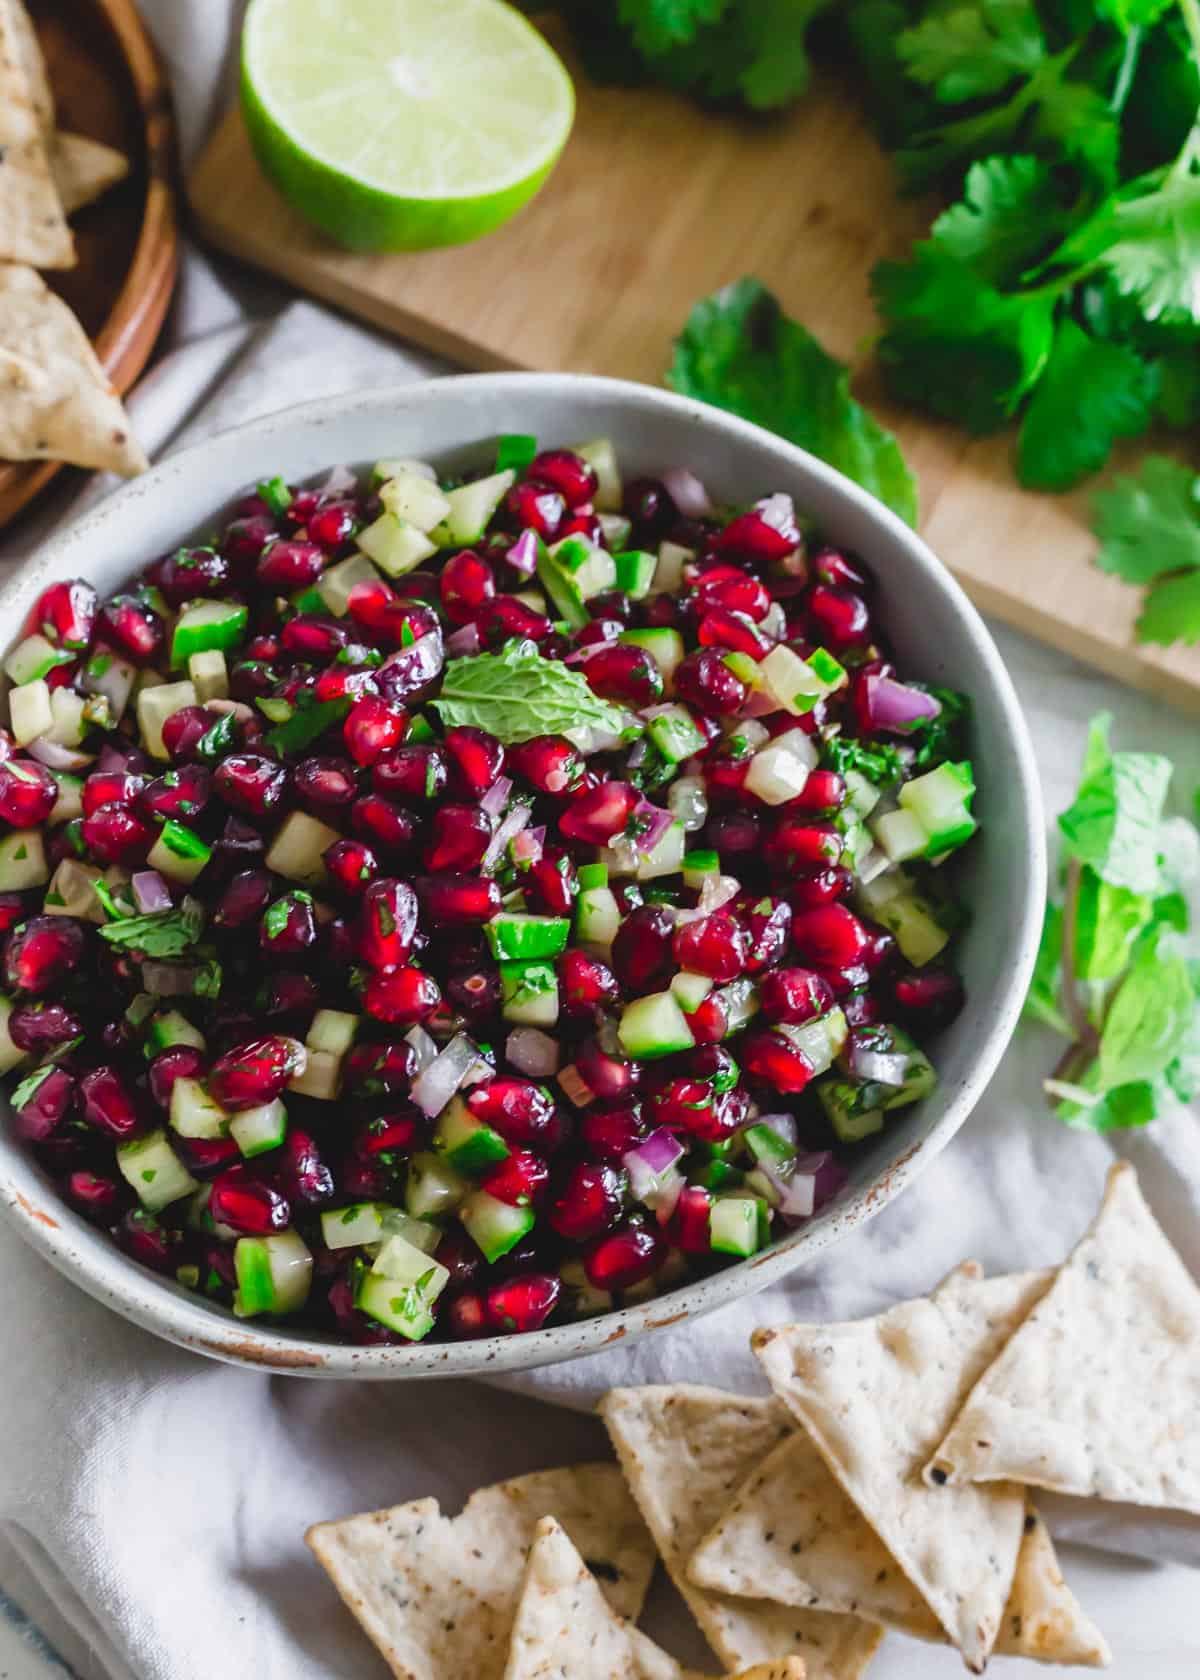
point(896, 707)
point(232, 708)
point(824, 1172)
point(424, 1046)
point(434, 1086)
point(651, 1161)
point(687, 802)
point(532, 1052)
point(150, 892)
point(114, 762)
point(522, 556)
point(57, 757)
point(716, 891)
point(687, 492)
point(496, 797)
point(528, 846)
point(514, 822)
point(649, 823)
point(465, 642)
point(779, 512)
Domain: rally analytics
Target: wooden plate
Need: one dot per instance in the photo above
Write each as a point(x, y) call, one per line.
point(110, 83)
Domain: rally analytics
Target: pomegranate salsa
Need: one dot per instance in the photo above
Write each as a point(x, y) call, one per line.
point(440, 905)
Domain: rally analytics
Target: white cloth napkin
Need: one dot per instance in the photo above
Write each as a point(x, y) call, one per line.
point(152, 1504)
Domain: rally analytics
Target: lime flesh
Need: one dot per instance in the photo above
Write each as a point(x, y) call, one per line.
point(402, 124)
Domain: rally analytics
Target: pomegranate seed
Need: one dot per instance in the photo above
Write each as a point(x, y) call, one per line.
point(552, 883)
point(368, 604)
point(303, 1177)
point(793, 995)
point(522, 1303)
point(642, 955)
point(183, 731)
point(288, 566)
point(536, 507)
point(352, 865)
point(333, 525)
point(289, 926)
point(769, 1056)
point(387, 924)
point(518, 1180)
point(41, 953)
point(832, 567)
point(573, 477)
point(523, 1113)
point(688, 1227)
point(43, 1026)
point(393, 1136)
point(14, 908)
point(407, 677)
point(768, 921)
point(830, 937)
point(182, 1061)
point(598, 814)
point(476, 758)
point(628, 675)
point(372, 728)
point(751, 538)
point(191, 574)
point(839, 617)
point(589, 1202)
point(133, 628)
point(387, 827)
point(795, 847)
point(721, 629)
point(255, 1071)
point(459, 899)
point(467, 584)
point(709, 1022)
point(289, 994)
point(725, 771)
point(178, 796)
point(930, 996)
point(735, 834)
point(822, 794)
point(647, 502)
point(461, 1259)
point(244, 899)
point(113, 787)
point(583, 523)
point(415, 772)
point(586, 985)
point(610, 1133)
point(250, 783)
point(624, 1258)
point(476, 996)
point(322, 784)
point(880, 951)
point(716, 945)
point(204, 1158)
point(114, 835)
point(107, 1103)
point(608, 1077)
point(466, 1317)
point(548, 762)
point(150, 1243)
point(311, 637)
point(401, 996)
point(856, 977)
point(461, 835)
point(379, 1070)
point(599, 630)
point(44, 1109)
point(245, 539)
point(100, 1198)
point(28, 793)
point(66, 614)
point(248, 1204)
point(823, 887)
point(304, 504)
point(733, 591)
point(705, 682)
point(506, 616)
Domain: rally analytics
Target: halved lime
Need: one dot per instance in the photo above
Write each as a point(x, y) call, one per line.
point(400, 124)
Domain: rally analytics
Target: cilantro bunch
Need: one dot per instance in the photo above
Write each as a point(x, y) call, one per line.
point(1118, 972)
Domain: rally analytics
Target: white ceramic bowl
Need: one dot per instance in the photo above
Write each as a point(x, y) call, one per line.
point(937, 634)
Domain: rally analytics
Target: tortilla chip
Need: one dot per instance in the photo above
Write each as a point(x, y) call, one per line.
point(873, 1395)
point(27, 50)
point(793, 1535)
point(437, 1595)
point(685, 1450)
point(55, 403)
point(84, 169)
point(33, 228)
point(1098, 1393)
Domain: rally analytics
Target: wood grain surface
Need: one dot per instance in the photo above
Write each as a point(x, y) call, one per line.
point(110, 84)
point(656, 203)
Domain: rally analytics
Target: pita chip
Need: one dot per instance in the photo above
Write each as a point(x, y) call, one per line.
point(33, 228)
point(55, 402)
point(793, 1535)
point(84, 169)
point(873, 1395)
point(1098, 1393)
point(438, 1595)
point(685, 1450)
point(565, 1629)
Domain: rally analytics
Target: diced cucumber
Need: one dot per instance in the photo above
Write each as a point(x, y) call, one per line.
point(178, 853)
point(690, 990)
point(29, 711)
point(418, 730)
point(593, 875)
point(194, 1114)
point(698, 866)
point(69, 803)
point(733, 1225)
point(564, 592)
point(533, 599)
point(676, 735)
point(207, 624)
point(893, 901)
point(298, 849)
point(739, 999)
point(433, 1187)
point(395, 547)
point(862, 795)
point(10, 1055)
point(850, 1108)
point(34, 658)
point(273, 1273)
point(653, 1026)
point(494, 1226)
point(635, 572)
point(798, 684)
point(592, 569)
point(940, 801)
point(617, 531)
point(515, 450)
point(69, 716)
point(601, 456)
point(399, 1307)
point(320, 1077)
point(209, 675)
point(665, 647)
point(668, 573)
point(665, 857)
point(357, 1225)
point(876, 1078)
point(333, 1030)
point(819, 1041)
point(717, 1175)
point(334, 586)
point(779, 770)
point(393, 464)
point(519, 938)
point(597, 916)
point(414, 500)
point(900, 836)
point(155, 706)
point(169, 1028)
point(405, 1262)
point(469, 1144)
point(768, 1148)
point(471, 508)
point(70, 893)
point(255, 1130)
point(743, 667)
point(529, 993)
point(23, 860)
point(108, 675)
point(419, 1232)
point(154, 1171)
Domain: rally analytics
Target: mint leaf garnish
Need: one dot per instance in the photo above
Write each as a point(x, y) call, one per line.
point(1113, 824)
point(516, 694)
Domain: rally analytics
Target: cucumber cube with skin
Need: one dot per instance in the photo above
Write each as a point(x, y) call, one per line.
point(398, 1307)
point(419, 1232)
point(169, 1028)
point(108, 675)
point(798, 684)
point(850, 1108)
point(333, 1030)
point(668, 573)
point(653, 1026)
point(522, 938)
point(733, 1225)
point(153, 1170)
point(33, 658)
point(433, 1187)
point(900, 836)
point(676, 735)
point(469, 1144)
point(690, 990)
point(768, 1148)
point(29, 711)
point(320, 1077)
point(69, 803)
point(779, 771)
point(274, 1274)
point(635, 572)
point(194, 1114)
point(298, 849)
point(178, 853)
point(471, 508)
point(597, 917)
point(23, 861)
point(665, 857)
point(334, 585)
point(739, 999)
point(209, 675)
point(207, 624)
point(564, 592)
point(414, 500)
point(155, 706)
point(698, 866)
point(665, 647)
point(395, 547)
point(529, 993)
point(515, 451)
point(404, 1262)
point(893, 901)
point(355, 1226)
point(70, 892)
point(819, 1041)
point(255, 1130)
point(940, 801)
point(616, 530)
point(10, 1055)
point(68, 712)
point(493, 1225)
point(601, 456)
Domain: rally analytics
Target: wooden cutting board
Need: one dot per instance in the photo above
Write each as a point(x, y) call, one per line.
point(656, 203)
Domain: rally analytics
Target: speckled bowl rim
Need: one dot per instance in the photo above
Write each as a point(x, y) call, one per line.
point(89, 1258)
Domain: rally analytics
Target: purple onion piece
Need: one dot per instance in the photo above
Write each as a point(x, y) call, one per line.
point(896, 707)
point(523, 554)
point(687, 492)
point(496, 797)
point(150, 892)
point(465, 642)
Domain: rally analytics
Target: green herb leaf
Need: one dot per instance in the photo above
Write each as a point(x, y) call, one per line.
point(305, 725)
point(659, 25)
point(31, 1085)
point(166, 933)
point(876, 760)
point(1148, 1017)
point(1172, 611)
point(1149, 524)
point(1148, 237)
point(740, 352)
point(1113, 824)
point(1089, 395)
point(973, 50)
point(1042, 1002)
point(1009, 215)
point(1108, 920)
point(516, 694)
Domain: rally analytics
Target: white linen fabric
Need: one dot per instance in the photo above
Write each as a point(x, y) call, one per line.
point(152, 1504)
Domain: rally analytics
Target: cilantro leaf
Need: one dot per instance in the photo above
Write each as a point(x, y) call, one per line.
point(1149, 524)
point(30, 1085)
point(973, 50)
point(878, 761)
point(739, 351)
point(1009, 214)
point(1148, 238)
point(659, 25)
point(1090, 394)
point(516, 694)
point(1171, 612)
point(165, 933)
point(1113, 823)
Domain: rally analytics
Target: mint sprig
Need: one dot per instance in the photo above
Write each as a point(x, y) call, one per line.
point(516, 694)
